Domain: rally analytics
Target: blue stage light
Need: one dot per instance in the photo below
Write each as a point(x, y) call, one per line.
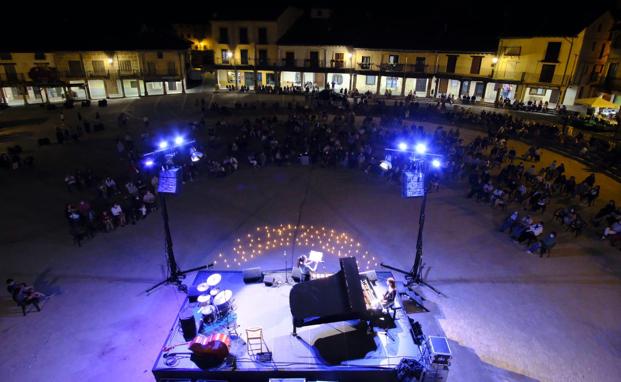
point(402, 146)
point(163, 144)
point(148, 163)
point(436, 163)
point(178, 140)
point(421, 148)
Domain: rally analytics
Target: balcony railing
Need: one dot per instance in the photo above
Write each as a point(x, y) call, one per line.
point(129, 73)
point(391, 67)
point(12, 77)
point(73, 74)
point(535, 78)
point(161, 74)
point(98, 74)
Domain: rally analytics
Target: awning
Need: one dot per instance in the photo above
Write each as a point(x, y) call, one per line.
point(597, 102)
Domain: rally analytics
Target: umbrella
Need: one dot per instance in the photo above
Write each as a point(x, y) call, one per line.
point(597, 102)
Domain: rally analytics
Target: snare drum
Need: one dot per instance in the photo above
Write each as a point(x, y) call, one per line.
point(204, 299)
point(209, 313)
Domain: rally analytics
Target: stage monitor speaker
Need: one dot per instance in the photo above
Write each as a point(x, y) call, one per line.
point(295, 274)
point(269, 280)
point(188, 323)
point(253, 275)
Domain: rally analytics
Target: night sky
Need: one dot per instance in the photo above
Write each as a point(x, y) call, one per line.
point(407, 25)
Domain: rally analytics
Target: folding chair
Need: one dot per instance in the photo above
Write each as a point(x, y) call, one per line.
point(254, 341)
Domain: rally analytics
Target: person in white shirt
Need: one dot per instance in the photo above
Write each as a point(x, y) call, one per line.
point(118, 214)
point(530, 235)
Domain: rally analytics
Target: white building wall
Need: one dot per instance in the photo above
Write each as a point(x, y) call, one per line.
point(396, 90)
point(339, 80)
point(361, 84)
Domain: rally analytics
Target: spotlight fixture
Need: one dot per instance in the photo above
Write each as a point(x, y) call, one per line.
point(148, 163)
point(179, 140)
point(163, 144)
point(421, 148)
point(402, 146)
point(436, 163)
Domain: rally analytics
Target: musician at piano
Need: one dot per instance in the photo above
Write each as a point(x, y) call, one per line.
point(391, 292)
point(306, 266)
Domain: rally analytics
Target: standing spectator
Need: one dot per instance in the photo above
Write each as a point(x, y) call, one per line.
point(592, 194)
point(118, 214)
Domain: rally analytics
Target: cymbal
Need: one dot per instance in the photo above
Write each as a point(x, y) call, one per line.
point(214, 279)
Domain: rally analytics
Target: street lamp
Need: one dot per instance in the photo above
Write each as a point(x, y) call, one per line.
point(164, 158)
point(416, 184)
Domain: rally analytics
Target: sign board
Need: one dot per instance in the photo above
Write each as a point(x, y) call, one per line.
point(413, 184)
point(168, 182)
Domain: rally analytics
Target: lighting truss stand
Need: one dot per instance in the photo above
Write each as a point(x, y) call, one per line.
point(414, 275)
point(175, 275)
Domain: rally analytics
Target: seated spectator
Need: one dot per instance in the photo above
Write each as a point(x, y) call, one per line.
point(509, 221)
point(608, 210)
point(149, 200)
point(544, 245)
point(131, 188)
point(24, 294)
point(531, 233)
point(613, 229)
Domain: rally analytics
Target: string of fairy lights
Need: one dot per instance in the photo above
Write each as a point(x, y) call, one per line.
point(266, 240)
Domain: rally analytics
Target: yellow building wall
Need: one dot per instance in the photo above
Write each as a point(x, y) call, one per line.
point(26, 61)
point(161, 64)
point(532, 51)
point(464, 63)
point(327, 53)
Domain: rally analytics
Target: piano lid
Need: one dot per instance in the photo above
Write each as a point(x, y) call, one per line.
point(330, 297)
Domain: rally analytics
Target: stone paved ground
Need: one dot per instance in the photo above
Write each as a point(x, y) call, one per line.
point(509, 316)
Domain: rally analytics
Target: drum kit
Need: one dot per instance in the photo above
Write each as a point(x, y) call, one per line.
point(214, 303)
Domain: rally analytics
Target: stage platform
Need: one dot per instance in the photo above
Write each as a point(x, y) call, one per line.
point(328, 352)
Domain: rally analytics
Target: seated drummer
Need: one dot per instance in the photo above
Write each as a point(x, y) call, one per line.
point(391, 292)
point(306, 267)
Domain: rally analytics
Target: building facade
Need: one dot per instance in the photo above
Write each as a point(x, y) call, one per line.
point(27, 78)
point(255, 50)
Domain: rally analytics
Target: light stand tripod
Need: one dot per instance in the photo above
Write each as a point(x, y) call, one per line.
point(286, 270)
point(175, 275)
point(414, 276)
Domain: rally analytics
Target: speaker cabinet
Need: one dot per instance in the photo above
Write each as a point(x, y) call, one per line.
point(253, 275)
point(188, 324)
point(269, 280)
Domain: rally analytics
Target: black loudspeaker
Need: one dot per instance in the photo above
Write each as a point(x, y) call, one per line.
point(44, 141)
point(269, 280)
point(296, 275)
point(188, 324)
point(253, 275)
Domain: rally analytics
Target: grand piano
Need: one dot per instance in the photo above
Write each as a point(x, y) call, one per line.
point(345, 295)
